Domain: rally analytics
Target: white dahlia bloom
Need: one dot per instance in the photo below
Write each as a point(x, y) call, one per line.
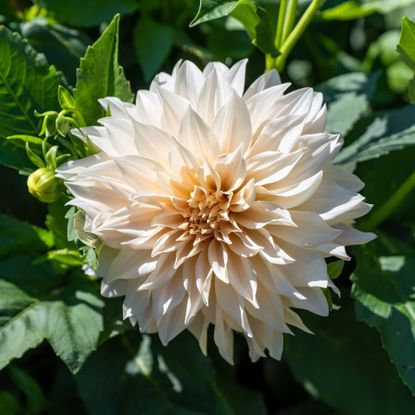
point(217, 206)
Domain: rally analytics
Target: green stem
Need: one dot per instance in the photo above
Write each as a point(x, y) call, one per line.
point(382, 213)
point(280, 23)
point(290, 20)
point(296, 33)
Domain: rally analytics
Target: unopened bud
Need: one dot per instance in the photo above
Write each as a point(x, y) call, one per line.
point(63, 125)
point(43, 185)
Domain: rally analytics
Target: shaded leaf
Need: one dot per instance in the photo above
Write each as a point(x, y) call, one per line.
point(145, 377)
point(345, 365)
point(385, 299)
point(14, 156)
point(87, 13)
point(389, 132)
point(62, 46)
point(9, 405)
point(18, 237)
point(35, 400)
point(152, 42)
point(347, 100)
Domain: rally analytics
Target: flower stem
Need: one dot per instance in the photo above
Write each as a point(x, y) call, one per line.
point(290, 20)
point(280, 23)
point(292, 35)
point(382, 213)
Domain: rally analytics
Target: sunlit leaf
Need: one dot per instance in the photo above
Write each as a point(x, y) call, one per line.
point(27, 83)
point(253, 16)
point(100, 75)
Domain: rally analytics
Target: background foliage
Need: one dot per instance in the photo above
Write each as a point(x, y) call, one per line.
point(64, 349)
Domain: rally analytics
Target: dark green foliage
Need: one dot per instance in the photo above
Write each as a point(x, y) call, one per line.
point(345, 365)
point(66, 350)
point(87, 12)
point(384, 293)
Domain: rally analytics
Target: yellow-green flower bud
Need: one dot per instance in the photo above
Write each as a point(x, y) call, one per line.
point(43, 185)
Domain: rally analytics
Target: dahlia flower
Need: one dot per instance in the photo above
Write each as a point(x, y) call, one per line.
point(217, 206)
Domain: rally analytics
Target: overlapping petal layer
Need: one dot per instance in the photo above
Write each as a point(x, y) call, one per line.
point(217, 206)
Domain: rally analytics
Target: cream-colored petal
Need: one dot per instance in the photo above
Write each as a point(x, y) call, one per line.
point(236, 76)
point(197, 137)
point(213, 96)
point(189, 81)
point(232, 125)
point(231, 169)
point(265, 81)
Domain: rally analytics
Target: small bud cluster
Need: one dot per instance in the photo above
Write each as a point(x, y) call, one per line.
point(54, 145)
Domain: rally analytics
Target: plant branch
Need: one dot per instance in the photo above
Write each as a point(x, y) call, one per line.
point(290, 19)
point(280, 23)
point(292, 35)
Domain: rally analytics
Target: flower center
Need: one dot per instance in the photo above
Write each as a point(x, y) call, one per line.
point(207, 209)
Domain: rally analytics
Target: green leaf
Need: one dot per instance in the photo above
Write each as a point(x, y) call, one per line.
point(19, 237)
point(71, 322)
point(68, 257)
point(348, 10)
point(347, 100)
point(411, 91)
point(14, 156)
point(406, 50)
point(27, 83)
point(57, 222)
point(392, 131)
point(153, 42)
point(100, 75)
point(85, 13)
point(335, 269)
point(344, 365)
point(32, 391)
point(35, 304)
point(387, 6)
point(399, 77)
point(34, 158)
point(246, 12)
point(264, 30)
point(62, 46)
point(9, 404)
point(242, 400)
point(66, 100)
point(255, 19)
point(147, 378)
point(213, 9)
point(406, 45)
point(385, 299)
point(26, 138)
